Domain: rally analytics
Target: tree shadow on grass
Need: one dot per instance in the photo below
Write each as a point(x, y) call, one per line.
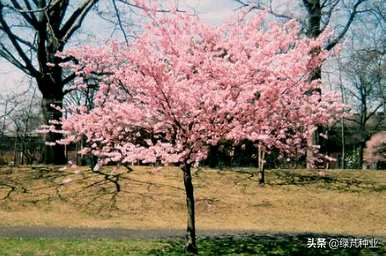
point(265, 246)
point(352, 184)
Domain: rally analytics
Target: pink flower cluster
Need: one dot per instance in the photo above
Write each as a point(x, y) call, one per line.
point(376, 148)
point(184, 85)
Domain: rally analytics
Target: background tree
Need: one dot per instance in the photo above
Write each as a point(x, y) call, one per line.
point(25, 120)
point(11, 104)
point(19, 123)
point(364, 84)
point(31, 33)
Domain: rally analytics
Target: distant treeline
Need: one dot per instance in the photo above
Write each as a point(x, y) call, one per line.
point(29, 150)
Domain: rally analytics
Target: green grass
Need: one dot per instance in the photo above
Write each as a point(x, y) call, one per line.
point(95, 247)
point(264, 246)
point(240, 245)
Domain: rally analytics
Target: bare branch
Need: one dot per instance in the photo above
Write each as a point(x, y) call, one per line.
point(373, 112)
point(141, 7)
point(117, 13)
point(17, 7)
point(354, 12)
point(76, 19)
point(68, 79)
point(329, 13)
point(27, 14)
point(270, 10)
point(7, 55)
point(16, 45)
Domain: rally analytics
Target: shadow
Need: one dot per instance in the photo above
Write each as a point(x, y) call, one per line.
point(94, 192)
point(292, 178)
point(279, 245)
point(283, 178)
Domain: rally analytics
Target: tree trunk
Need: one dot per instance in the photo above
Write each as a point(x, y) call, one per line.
point(53, 154)
point(22, 150)
point(313, 140)
point(261, 156)
point(15, 150)
point(191, 228)
point(314, 10)
point(343, 134)
point(310, 153)
point(362, 146)
point(343, 166)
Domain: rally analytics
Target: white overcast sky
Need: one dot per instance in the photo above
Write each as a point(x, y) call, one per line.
point(213, 12)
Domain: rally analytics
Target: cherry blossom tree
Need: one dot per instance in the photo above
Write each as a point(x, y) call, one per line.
point(183, 86)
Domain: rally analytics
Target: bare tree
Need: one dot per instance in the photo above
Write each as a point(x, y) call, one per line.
point(315, 15)
point(31, 33)
point(10, 104)
point(19, 119)
point(24, 122)
point(364, 73)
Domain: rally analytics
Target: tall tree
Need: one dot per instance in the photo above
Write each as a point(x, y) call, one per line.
point(364, 83)
point(32, 32)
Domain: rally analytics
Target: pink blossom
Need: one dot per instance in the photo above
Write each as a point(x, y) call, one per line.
point(184, 85)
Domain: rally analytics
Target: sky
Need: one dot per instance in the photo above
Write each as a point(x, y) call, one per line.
point(213, 12)
point(95, 30)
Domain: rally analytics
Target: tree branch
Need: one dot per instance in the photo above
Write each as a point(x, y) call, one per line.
point(329, 13)
point(76, 19)
point(4, 52)
point(373, 112)
point(69, 78)
point(117, 13)
point(25, 42)
point(27, 14)
point(259, 7)
point(16, 45)
point(141, 7)
point(354, 12)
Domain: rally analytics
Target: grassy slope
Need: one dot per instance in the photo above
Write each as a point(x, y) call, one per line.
point(338, 202)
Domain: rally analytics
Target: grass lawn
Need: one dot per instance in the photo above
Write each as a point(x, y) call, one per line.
point(248, 245)
point(335, 202)
point(51, 247)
